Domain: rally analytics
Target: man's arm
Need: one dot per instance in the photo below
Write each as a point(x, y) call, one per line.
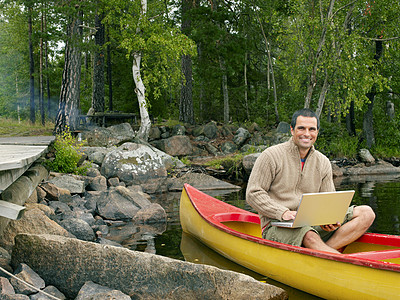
point(260, 180)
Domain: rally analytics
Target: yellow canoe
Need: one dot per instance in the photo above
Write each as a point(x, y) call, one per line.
point(368, 268)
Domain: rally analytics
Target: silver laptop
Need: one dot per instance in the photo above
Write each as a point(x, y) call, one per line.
point(320, 209)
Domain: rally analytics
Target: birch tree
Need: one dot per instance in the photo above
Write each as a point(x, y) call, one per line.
point(155, 47)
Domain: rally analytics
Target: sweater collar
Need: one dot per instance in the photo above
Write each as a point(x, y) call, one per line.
point(295, 149)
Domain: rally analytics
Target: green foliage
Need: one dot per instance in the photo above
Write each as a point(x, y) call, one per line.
point(67, 155)
point(334, 141)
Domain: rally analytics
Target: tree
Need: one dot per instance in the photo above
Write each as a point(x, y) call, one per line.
point(186, 113)
point(98, 103)
point(68, 108)
point(153, 43)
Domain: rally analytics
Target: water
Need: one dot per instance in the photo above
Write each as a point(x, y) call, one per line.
point(382, 193)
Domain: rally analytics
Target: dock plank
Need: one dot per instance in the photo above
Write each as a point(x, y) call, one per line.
point(17, 154)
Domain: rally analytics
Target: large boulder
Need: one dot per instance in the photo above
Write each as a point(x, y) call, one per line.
point(249, 161)
point(69, 183)
point(177, 145)
point(33, 221)
point(70, 263)
point(134, 163)
point(114, 135)
point(241, 136)
point(202, 182)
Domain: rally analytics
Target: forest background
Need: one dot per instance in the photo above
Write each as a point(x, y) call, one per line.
point(192, 61)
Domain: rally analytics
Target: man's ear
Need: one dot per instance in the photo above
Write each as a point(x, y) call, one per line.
point(291, 130)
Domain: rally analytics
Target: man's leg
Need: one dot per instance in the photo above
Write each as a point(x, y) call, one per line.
point(363, 217)
point(312, 240)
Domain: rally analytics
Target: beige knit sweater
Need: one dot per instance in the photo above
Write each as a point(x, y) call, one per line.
point(277, 182)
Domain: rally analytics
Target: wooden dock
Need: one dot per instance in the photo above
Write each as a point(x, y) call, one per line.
point(17, 154)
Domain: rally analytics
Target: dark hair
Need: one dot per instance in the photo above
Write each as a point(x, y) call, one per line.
point(305, 112)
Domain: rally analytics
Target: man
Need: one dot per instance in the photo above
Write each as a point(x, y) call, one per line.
point(284, 172)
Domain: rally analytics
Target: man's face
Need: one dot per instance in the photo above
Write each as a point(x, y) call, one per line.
point(305, 133)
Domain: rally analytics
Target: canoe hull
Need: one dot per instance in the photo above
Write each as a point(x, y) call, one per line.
point(322, 276)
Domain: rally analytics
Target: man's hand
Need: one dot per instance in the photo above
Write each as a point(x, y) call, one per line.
point(289, 215)
point(331, 227)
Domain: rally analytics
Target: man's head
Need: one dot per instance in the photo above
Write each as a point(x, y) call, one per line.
point(304, 129)
point(305, 112)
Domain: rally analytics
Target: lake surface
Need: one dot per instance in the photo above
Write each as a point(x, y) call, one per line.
point(382, 193)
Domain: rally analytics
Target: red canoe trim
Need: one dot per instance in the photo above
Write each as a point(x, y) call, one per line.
point(214, 211)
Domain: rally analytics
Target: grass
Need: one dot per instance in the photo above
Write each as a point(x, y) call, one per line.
point(11, 127)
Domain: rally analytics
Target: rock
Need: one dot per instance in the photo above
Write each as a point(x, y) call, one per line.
point(114, 181)
point(14, 297)
point(61, 209)
point(110, 136)
point(6, 287)
point(137, 274)
point(98, 183)
point(41, 194)
point(69, 183)
point(283, 127)
point(33, 198)
point(366, 156)
point(229, 147)
point(93, 291)
point(134, 163)
point(114, 206)
point(33, 221)
point(241, 136)
point(211, 149)
point(210, 130)
point(178, 145)
point(178, 130)
point(93, 172)
point(380, 167)
point(202, 182)
point(25, 273)
point(52, 191)
point(134, 195)
point(254, 127)
point(153, 213)
point(52, 290)
point(78, 228)
point(154, 134)
point(248, 162)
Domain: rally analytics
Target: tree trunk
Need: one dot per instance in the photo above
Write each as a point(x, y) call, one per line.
point(140, 90)
point(109, 76)
point(41, 86)
point(46, 61)
point(350, 120)
point(31, 70)
point(98, 67)
point(313, 76)
point(246, 100)
point(186, 101)
point(224, 89)
point(322, 96)
point(70, 91)
point(270, 70)
point(368, 124)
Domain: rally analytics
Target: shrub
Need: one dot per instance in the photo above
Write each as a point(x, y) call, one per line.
point(67, 155)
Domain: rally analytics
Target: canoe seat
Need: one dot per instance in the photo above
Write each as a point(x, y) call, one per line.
point(238, 217)
point(377, 255)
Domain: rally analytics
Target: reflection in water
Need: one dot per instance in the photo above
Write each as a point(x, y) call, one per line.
point(196, 252)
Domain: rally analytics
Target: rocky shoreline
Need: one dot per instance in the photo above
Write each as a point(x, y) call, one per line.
point(124, 173)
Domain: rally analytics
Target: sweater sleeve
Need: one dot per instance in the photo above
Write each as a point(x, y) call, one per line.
point(261, 177)
point(327, 184)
